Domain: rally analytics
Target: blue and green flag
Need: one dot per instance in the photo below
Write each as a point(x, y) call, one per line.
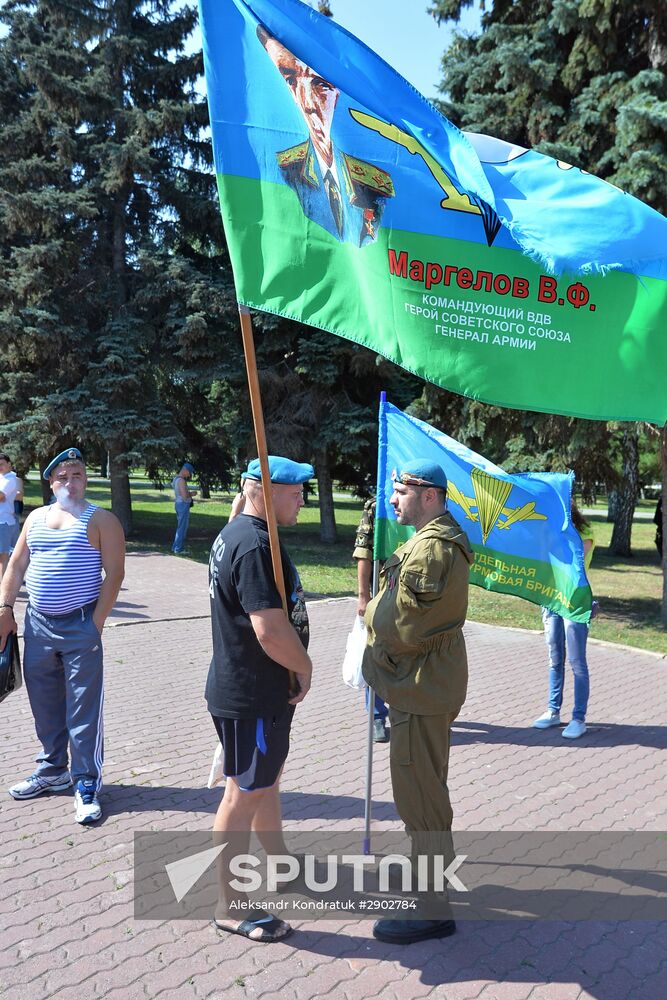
point(351, 204)
point(519, 526)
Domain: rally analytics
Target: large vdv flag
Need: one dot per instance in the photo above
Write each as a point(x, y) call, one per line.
point(519, 526)
point(352, 205)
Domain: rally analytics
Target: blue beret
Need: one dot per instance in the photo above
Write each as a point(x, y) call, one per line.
point(68, 455)
point(422, 472)
point(281, 470)
point(189, 466)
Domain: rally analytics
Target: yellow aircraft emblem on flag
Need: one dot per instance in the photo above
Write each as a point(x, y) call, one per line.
point(488, 505)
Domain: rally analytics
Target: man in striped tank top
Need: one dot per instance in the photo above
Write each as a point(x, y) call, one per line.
point(62, 554)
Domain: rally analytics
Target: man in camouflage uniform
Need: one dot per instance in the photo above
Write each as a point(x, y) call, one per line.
point(363, 553)
point(416, 660)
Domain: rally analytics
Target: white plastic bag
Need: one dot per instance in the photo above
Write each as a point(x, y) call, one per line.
point(354, 653)
point(216, 776)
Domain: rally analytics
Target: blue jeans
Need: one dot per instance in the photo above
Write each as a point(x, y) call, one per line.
point(561, 633)
point(182, 523)
point(380, 710)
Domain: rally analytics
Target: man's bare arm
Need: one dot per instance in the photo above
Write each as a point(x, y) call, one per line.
point(107, 532)
point(364, 573)
point(11, 583)
point(279, 641)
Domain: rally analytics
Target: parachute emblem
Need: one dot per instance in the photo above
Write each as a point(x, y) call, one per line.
point(488, 505)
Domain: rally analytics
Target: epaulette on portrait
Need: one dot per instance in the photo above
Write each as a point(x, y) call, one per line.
point(378, 180)
point(297, 165)
point(292, 156)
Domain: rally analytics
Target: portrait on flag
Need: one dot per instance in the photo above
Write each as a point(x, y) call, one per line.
point(340, 192)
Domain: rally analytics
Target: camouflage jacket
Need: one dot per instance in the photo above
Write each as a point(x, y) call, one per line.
point(416, 656)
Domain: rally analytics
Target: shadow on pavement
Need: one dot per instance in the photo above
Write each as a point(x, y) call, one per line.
point(481, 951)
point(597, 734)
point(132, 798)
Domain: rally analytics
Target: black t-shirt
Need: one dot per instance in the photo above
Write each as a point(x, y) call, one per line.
point(243, 682)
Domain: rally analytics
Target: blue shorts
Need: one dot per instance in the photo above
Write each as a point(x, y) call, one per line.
point(7, 535)
point(255, 749)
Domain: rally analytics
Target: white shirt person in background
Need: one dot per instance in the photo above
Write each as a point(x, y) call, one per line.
point(8, 491)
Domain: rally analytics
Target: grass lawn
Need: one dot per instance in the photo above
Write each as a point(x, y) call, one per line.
point(629, 590)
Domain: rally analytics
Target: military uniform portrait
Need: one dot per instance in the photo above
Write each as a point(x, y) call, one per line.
point(340, 192)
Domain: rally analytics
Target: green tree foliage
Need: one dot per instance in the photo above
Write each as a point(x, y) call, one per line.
point(41, 210)
point(581, 80)
point(522, 441)
point(584, 81)
point(320, 395)
point(108, 296)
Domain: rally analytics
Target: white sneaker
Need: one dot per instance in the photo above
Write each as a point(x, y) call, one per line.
point(36, 785)
point(88, 808)
point(574, 730)
point(550, 718)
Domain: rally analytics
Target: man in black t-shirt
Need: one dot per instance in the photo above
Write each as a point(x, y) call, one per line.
point(255, 646)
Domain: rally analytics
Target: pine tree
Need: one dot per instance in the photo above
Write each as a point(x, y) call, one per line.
point(582, 80)
point(42, 210)
point(320, 396)
point(106, 255)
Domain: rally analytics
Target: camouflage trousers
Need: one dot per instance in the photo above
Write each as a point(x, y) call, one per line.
point(419, 759)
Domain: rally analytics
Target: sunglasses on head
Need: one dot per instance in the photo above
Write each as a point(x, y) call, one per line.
point(407, 480)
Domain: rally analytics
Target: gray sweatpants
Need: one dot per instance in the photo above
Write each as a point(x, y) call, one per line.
point(62, 666)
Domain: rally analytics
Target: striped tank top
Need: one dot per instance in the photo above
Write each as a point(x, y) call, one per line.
point(65, 571)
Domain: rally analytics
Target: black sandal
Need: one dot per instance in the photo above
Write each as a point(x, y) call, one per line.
point(269, 926)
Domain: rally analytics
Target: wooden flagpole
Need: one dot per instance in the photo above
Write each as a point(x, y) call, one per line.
point(260, 438)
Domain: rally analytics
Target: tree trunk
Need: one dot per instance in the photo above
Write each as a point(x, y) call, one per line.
point(44, 483)
point(663, 456)
point(328, 533)
point(612, 505)
point(121, 500)
point(627, 495)
point(204, 488)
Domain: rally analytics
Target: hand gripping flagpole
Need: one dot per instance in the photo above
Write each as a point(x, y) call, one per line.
point(371, 692)
point(260, 438)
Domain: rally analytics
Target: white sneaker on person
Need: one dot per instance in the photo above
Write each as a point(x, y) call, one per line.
point(88, 808)
point(37, 784)
point(550, 718)
point(574, 729)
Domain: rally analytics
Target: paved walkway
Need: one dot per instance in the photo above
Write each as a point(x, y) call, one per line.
point(66, 924)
